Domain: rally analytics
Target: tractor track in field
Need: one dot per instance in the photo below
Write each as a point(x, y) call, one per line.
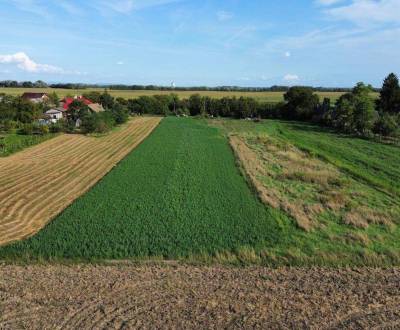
point(126, 296)
point(38, 183)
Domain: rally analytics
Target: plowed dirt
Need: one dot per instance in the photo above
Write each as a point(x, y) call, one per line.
point(187, 297)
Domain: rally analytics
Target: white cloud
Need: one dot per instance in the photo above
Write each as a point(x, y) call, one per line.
point(365, 12)
point(25, 63)
point(287, 54)
point(224, 16)
point(291, 78)
point(120, 63)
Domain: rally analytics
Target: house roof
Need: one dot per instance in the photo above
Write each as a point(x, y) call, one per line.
point(52, 112)
point(33, 95)
point(68, 100)
point(96, 107)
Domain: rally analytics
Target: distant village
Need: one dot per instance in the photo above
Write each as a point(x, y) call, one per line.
point(53, 115)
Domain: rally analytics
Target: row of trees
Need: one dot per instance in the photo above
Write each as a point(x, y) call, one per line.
point(355, 112)
point(275, 88)
point(23, 84)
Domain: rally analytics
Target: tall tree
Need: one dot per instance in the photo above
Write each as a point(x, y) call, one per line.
point(390, 95)
point(355, 112)
point(302, 102)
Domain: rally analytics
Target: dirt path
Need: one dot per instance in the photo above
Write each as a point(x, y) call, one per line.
point(185, 297)
point(38, 183)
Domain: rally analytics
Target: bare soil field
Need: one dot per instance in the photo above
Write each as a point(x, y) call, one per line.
point(38, 183)
point(185, 297)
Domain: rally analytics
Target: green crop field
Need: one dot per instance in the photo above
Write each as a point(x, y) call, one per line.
point(181, 195)
point(128, 94)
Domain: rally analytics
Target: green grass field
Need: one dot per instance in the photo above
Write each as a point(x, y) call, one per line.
point(12, 142)
point(181, 195)
point(373, 162)
point(262, 96)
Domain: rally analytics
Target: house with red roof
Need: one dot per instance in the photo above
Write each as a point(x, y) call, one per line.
point(68, 100)
point(65, 105)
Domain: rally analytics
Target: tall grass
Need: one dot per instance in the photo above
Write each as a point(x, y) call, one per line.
point(11, 143)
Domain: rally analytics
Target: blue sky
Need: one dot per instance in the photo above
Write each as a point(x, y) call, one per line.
point(200, 42)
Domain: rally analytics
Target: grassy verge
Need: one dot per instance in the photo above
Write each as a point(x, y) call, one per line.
point(11, 143)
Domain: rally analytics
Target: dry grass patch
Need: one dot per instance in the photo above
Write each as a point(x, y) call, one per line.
point(362, 217)
point(304, 186)
point(38, 183)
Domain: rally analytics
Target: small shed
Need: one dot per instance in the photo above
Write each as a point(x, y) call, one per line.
point(54, 115)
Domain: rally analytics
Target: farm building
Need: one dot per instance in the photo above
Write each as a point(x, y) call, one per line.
point(53, 115)
point(35, 97)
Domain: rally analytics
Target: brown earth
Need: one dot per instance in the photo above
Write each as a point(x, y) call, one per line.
point(38, 183)
point(186, 297)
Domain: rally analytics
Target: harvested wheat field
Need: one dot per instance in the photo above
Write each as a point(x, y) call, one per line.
point(187, 297)
point(38, 183)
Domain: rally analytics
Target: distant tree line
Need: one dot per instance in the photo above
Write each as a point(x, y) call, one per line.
point(42, 84)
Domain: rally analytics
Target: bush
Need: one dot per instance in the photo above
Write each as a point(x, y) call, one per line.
point(26, 129)
point(43, 130)
point(387, 125)
point(89, 123)
point(8, 125)
point(98, 122)
point(120, 114)
point(58, 127)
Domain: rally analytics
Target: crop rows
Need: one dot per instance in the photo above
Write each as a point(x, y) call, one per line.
point(38, 183)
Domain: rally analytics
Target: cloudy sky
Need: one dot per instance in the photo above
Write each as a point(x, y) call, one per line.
point(200, 42)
